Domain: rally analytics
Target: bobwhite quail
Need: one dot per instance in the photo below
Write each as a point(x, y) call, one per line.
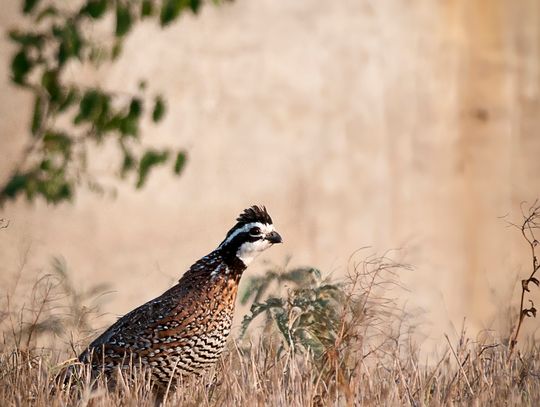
point(184, 330)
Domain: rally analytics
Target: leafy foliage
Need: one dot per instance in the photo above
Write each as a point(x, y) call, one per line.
point(308, 318)
point(329, 320)
point(58, 34)
point(329, 327)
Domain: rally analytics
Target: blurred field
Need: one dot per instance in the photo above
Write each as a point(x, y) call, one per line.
point(390, 124)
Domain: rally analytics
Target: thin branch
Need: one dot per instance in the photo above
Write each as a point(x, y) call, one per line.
point(528, 227)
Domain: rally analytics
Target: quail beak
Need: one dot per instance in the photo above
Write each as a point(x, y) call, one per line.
point(274, 237)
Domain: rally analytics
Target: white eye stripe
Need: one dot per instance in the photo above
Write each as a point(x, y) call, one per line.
point(246, 228)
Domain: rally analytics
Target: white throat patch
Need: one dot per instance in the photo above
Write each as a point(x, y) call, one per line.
point(249, 250)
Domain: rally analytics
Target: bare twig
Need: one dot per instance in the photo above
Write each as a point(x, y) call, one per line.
point(531, 222)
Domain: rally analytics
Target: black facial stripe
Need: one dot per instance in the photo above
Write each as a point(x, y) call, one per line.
point(229, 250)
point(238, 240)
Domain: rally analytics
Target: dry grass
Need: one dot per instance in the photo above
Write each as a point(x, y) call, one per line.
point(368, 359)
point(322, 343)
point(259, 377)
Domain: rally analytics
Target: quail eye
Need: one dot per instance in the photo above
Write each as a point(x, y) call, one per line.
point(255, 231)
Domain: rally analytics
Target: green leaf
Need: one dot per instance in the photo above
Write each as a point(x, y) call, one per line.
point(159, 109)
point(57, 31)
point(45, 165)
point(95, 8)
point(282, 322)
point(65, 192)
point(123, 19)
point(150, 159)
point(180, 162)
point(49, 80)
point(50, 11)
point(70, 98)
point(70, 43)
point(103, 116)
point(29, 5)
point(16, 184)
point(116, 50)
point(147, 8)
point(37, 116)
point(128, 163)
point(259, 308)
point(91, 106)
point(57, 141)
point(135, 108)
point(56, 187)
point(26, 39)
point(113, 123)
point(195, 5)
point(51, 182)
point(170, 10)
point(129, 126)
point(20, 66)
point(303, 276)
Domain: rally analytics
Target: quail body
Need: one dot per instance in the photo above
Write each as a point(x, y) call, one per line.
point(184, 330)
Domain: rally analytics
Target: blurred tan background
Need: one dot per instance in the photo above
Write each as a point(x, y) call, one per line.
point(390, 124)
